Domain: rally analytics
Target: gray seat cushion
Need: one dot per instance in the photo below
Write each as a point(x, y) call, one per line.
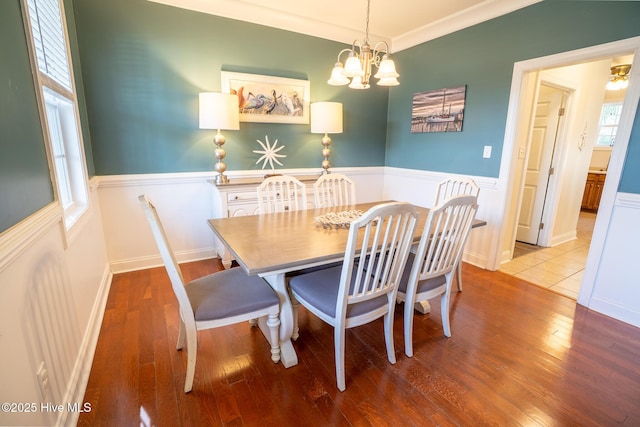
point(229, 293)
point(423, 286)
point(320, 288)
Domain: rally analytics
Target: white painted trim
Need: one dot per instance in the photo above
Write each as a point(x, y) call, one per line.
point(107, 181)
point(19, 238)
point(465, 18)
point(135, 180)
point(615, 310)
point(77, 385)
point(263, 15)
point(628, 200)
point(481, 181)
point(563, 238)
point(142, 263)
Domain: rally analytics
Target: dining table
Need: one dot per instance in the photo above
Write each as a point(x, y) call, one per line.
point(276, 245)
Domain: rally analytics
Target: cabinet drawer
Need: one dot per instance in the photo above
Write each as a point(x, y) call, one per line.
point(242, 197)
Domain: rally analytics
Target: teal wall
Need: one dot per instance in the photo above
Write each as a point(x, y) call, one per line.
point(630, 180)
point(141, 65)
point(482, 57)
point(145, 63)
point(77, 74)
point(25, 184)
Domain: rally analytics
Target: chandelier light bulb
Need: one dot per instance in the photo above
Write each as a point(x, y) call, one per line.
point(356, 71)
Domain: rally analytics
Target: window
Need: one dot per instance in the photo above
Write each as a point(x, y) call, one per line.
point(50, 55)
point(609, 119)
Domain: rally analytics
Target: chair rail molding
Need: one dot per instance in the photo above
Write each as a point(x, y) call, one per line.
point(21, 236)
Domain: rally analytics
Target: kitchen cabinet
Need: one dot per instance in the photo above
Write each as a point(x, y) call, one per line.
point(593, 191)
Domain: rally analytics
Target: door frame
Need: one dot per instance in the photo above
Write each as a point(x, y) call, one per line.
point(523, 79)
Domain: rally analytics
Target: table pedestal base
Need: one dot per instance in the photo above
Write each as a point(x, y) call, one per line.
point(423, 307)
point(288, 355)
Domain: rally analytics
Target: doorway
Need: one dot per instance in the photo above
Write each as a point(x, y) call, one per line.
point(554, 235)
point(546, 127)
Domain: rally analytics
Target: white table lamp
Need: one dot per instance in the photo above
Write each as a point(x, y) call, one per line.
point(219, 111)
point(326, 117)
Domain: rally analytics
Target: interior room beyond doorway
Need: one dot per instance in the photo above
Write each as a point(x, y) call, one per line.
point(560, 268)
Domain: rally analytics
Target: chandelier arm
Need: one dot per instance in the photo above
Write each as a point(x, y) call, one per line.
point(376, 52)
point(343, 51)
point(358, 44)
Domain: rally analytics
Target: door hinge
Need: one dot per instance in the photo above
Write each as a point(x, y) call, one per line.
point(541, 226)
point(552, 170)
point(561, 112)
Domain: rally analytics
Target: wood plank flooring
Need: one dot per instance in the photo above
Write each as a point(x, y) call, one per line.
point(519, 355)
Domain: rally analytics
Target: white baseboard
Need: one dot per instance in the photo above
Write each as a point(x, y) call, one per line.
point(563, 238)
point(141, 263)
point(80, 376)
point(615, 310)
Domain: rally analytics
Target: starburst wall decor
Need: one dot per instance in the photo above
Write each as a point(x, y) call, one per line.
point(269, 153)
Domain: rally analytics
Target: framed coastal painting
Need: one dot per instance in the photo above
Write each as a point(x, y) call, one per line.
point(268, 99)
point(439, 110)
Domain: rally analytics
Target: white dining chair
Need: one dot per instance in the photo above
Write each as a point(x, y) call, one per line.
point(334, 189)
point(455, 186)
point(219, 299)
point(429, 271)
point(357, 292)
point(281, 193)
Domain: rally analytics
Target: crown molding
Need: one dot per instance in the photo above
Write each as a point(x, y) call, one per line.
point(263, 15)
point(465, 18)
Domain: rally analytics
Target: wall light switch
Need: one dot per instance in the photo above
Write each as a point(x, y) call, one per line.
point(486, 154)
point(522, 152)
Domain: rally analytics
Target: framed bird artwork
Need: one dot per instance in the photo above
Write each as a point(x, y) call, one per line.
point(268, 99)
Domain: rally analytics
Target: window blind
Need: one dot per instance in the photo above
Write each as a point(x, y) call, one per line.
point(49, 41)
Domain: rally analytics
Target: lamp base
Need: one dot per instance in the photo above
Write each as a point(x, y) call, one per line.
point(221, 179)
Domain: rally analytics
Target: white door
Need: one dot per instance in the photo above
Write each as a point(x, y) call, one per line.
point(539, 162)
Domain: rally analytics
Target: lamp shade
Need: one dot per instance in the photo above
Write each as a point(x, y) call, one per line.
point(326, 117)
point(219, 111)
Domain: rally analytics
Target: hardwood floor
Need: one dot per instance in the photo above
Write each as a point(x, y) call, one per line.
point(519, 355)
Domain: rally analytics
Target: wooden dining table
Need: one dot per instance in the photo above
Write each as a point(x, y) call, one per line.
point(272, 245)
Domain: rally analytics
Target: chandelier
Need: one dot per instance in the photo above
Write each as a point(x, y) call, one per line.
point(619, 78)
point(357, 68)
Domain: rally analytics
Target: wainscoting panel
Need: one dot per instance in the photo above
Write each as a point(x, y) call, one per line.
point(420, 187)
point(185, 203)
point(616, 291)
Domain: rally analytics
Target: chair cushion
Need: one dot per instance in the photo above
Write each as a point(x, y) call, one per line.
point(425, 285)
point(320, 289)
point(229, 293)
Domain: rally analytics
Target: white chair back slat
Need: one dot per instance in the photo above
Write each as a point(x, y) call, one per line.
point(280, 194)
point(446, 230)
point(455, 186)
point(334, 189)
point(387, 232)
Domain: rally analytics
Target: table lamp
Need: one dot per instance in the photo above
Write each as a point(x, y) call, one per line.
point(219, 111)
point(326, 117)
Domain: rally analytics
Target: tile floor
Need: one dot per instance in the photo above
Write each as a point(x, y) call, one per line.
point(559, 268)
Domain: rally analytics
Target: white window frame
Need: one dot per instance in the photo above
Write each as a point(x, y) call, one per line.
point(609, 126)
point(62, 130)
